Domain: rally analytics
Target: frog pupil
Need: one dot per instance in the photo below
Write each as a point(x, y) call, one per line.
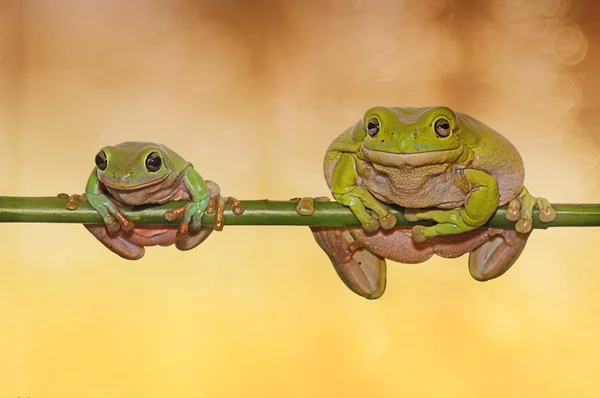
point(373, 127)
point(153, 162)
point(101, 160)
point(442, 128)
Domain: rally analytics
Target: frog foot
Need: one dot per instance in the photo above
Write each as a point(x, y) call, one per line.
point(496, 255)
point(449, 222)
point(410, 215)
point(73, 200)
point(359, 199)
point(217, 205)
point(306, 206)
point(520, 209)
point(114, 219)
point(192, 216)
point(388, 221)
point(361, 271)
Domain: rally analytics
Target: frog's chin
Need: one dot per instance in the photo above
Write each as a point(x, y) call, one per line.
point(414, 159)
point(133, 187)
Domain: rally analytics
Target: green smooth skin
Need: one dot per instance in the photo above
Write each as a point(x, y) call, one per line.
point(127, 180)
point(126, 170)
point(457, 180)
point(477, 156)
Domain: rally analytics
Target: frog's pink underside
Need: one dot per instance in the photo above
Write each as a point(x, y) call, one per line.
point(398, 245)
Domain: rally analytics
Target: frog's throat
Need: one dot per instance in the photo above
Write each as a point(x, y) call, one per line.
point(128, 187)
point(418, 159)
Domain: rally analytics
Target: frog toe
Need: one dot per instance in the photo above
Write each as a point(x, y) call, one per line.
point(494, 257)
point(305, 206)
point(410, 215)
point(236, 206)
point(361, 271)
point(372, 226)
point(524, 225)
point(418, 233)
point(388, 221)
point(513, 212)
point(547, 213)
point(72, 200)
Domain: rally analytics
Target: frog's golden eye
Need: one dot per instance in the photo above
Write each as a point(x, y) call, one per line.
point(442, 128)
point(153, 161)
point(373, 127)
point(101, 161)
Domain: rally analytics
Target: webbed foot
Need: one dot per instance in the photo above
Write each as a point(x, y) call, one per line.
point(521, 208)
point(362, 271)
point(191, 232)
point(449, 222)
point(494, 257)
point(217, 206)
point(359, 199)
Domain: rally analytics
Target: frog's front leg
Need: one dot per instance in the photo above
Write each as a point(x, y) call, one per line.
point(520, 209)
point(205, 197)
point(105, 207)
point(216, 206)
point(345, 189)
point(494, 257)
point(480, 205)
point(362, 271)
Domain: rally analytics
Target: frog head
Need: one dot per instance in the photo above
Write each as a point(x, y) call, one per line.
point(414, 136)
point(135, 165)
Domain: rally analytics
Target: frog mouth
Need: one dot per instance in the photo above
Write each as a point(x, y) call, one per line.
point(413, 159)
point(135, 187)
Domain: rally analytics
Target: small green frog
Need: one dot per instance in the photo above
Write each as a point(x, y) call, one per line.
point(138, 173)
point(441, 166)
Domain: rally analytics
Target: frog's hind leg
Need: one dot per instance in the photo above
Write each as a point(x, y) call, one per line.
point(362, 271)
point(116, 243)
point(193, 239)
point(494, 257)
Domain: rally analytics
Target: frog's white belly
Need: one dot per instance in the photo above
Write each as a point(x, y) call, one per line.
point(415, 187)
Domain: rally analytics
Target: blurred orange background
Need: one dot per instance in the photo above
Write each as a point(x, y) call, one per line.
point(253, 93)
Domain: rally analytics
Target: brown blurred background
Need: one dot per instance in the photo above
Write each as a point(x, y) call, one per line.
point(252, 93)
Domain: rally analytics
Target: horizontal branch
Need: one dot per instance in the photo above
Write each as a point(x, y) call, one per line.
point(260, 212)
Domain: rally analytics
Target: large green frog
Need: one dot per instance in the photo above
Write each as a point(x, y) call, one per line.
point(442, 166)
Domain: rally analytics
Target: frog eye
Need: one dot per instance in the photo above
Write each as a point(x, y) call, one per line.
point(101, 161)
point(373, 127)
point(442, 128)
point(153, 161)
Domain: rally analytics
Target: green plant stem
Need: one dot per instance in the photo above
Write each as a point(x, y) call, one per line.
point(260, 212)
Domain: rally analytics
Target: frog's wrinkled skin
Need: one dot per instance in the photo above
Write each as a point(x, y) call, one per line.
point(440, 165)
point(138, 173)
